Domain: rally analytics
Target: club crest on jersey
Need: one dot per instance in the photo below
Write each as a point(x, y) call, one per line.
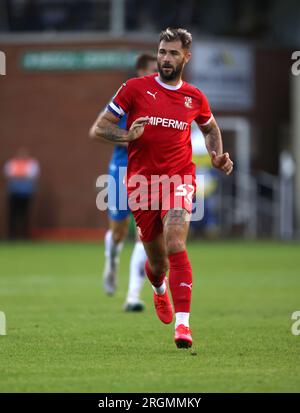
point(188, 103)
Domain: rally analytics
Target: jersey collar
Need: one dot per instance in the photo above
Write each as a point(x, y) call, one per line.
point(170, 87)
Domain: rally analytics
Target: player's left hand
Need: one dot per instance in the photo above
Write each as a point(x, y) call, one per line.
point(137, 128)
point(222, 162)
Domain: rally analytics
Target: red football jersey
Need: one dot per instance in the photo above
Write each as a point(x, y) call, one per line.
point(165, 146)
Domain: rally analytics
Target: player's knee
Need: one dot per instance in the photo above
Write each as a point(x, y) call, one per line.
point(119, 234)
point(175, 245)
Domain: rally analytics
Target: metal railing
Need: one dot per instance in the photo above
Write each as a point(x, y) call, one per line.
point(265, 210)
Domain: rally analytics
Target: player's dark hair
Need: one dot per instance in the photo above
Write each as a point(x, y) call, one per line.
point(173, 35)
point(143, 60)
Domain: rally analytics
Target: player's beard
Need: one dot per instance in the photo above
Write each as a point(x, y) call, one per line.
point(174, 74)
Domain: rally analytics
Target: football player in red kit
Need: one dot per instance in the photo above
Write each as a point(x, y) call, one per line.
point(160, 109)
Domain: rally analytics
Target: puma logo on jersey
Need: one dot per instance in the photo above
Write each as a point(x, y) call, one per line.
point(186, 285)
point(152, 94)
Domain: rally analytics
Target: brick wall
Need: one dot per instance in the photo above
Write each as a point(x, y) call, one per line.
point(50, 113)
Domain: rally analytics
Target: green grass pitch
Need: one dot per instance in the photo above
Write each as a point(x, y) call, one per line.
point(65, 335)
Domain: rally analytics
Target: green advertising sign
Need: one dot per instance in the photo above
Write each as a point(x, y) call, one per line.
point(78, 59)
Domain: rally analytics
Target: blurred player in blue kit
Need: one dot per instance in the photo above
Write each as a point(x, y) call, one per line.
point(119, 213)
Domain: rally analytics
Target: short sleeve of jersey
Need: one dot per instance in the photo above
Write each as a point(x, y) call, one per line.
point(122, 101)
point(205, 115)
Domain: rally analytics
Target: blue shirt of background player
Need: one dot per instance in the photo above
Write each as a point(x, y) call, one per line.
point(119, 156)
point(119, 159)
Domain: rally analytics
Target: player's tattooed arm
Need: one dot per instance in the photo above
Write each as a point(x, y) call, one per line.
point(214, 145)
point(212, 135)
point(106, 128)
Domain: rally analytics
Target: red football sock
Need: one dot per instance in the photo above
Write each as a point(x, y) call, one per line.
point(180, 281)
point(156, 282)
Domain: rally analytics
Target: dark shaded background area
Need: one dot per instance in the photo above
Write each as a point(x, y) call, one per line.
point(275, 22)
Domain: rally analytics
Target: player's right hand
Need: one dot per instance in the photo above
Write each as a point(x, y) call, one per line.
point(137, 128)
